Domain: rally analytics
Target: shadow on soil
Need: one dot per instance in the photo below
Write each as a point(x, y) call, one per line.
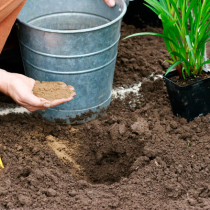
point(104, 156)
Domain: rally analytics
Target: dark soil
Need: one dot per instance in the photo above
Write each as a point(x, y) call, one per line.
point(189, 80)
point(136, 156)
point(139, 57)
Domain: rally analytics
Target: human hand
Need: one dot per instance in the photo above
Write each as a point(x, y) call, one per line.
point(110, 3)
point(19, 88)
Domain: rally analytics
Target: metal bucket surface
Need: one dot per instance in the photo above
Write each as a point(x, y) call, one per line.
point(75, 42)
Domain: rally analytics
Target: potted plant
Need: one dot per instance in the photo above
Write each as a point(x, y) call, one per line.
point(186, 30)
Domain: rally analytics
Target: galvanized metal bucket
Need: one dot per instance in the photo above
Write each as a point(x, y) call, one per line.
point(75, 42)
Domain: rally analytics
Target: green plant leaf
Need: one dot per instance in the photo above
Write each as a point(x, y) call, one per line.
point(204, 63)
point(177, 12)
point(173, 66)
point(191, 49)
point(152, 34)
point(184, 60)
point(172, 62)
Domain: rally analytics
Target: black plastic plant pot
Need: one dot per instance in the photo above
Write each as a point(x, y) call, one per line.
point(189, 101)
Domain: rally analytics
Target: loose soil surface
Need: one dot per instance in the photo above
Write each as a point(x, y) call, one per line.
point(136, 156)
point(52, 90)
point(189, 80)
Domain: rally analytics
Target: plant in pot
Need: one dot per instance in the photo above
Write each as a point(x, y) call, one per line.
point(186, 30)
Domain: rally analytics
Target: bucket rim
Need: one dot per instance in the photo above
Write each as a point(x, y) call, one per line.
point(79, 30)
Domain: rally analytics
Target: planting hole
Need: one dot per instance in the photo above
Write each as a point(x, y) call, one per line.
point(105, 160)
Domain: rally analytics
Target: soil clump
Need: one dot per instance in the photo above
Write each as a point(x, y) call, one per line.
point(52, 90)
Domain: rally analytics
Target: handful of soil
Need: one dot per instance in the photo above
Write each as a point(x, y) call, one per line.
point(52, 90)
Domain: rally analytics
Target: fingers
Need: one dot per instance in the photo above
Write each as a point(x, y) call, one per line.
point(64, 100)
point(110, 3)
point(35, 103)
point(62, 84)
point(60, 101)
point(71, 87)
point(21, 90)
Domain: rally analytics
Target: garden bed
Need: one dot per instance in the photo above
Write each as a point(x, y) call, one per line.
point(136, 156)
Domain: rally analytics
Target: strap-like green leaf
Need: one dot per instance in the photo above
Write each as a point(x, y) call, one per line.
point(152, 34)
point(204, 63)
point(183, 58)
point(191, 49)
point(173, 66)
